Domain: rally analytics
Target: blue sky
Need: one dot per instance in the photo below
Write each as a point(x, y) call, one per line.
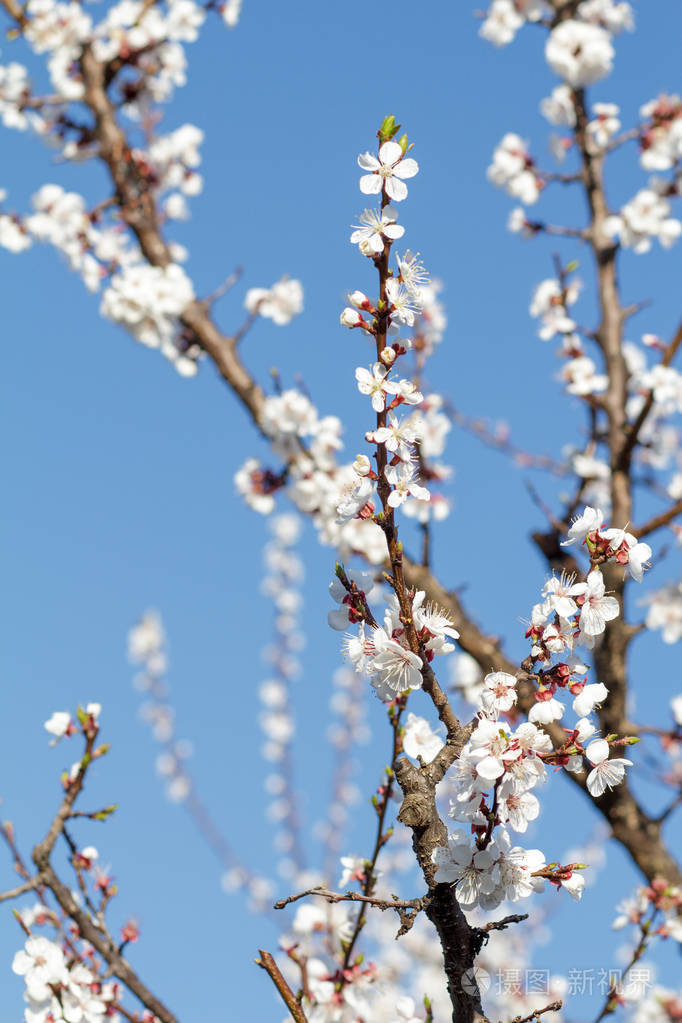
point(119, 474)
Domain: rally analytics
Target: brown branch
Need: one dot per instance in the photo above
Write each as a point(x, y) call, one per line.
point(633, 431)
point(658, 521)
point(267, 963)
point(460, 943)
point(407, 909)
point(15, 12)
point(630, 825)
point(324, 893)
point(553, 1007)
point(27, 886)
point(90, 931)
point(139, 211)
point(501, 925)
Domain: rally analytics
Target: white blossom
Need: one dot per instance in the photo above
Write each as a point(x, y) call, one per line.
point(501, 24)
point(601, 130)
point(231, 11)
point(280, 303)
point(597, 609)
point(665, 612)
point(606, 774)
point(374, 228)
point(374, 382)
point(393, 668)
point(512, 169)
point(646, 216)
point(499, 692)
point(590, 521)
point(589, 697)
point(579, 52)
point(558, 107)
point(419, 740)
point(388, 171)
point(41, 963)
point(403, 480)
point(58, 725)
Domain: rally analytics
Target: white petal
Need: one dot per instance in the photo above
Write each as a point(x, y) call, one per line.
point(390, 153)
point(597, 751)
point(338, 619)
point(489, 768)
point(395, 189)
point(370, 184)
point(368, 162)
point(406, 168)
point(591, 621)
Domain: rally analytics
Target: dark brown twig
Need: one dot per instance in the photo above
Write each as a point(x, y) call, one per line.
point(552, 1007)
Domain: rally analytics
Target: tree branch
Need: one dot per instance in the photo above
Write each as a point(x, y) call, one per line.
point(27, 886)
point(267, 963)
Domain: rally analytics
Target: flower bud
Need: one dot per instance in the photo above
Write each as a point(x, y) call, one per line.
point(388, 128)
point(362, 465)
point(350, 318)
point(388, 356)
point(359, 300)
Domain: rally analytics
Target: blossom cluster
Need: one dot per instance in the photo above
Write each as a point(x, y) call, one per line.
point(280, 303)
point(659, 899)
point(140, 50)
point(408, 299)
point(148, 41)
point(579, 48)
point(550, 304)
point(580, 51)
point(499, 767)
point(383, 652)
point(342, 499)
point(59, 988)
point(65, 978)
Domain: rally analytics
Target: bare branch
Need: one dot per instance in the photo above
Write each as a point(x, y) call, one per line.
point(27, 886)
point(407, 909)
point(267, 963)
point(664, 519)
point(393, 903)
point(501, 925)
point(552, 1007)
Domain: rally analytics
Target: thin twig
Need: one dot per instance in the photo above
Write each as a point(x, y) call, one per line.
point(500, 925)
point(381, 838)
point(27, 886)
point(658, 521)
point(324, 893)
point(634, 430)
point(271, 968)
point(553, 1007)
point(92, 932)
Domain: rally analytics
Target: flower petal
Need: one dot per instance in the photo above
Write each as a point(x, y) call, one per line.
point(370, 184)
point(368, 162)
point(406, 168)
point(395, 189)
point(390, 153)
